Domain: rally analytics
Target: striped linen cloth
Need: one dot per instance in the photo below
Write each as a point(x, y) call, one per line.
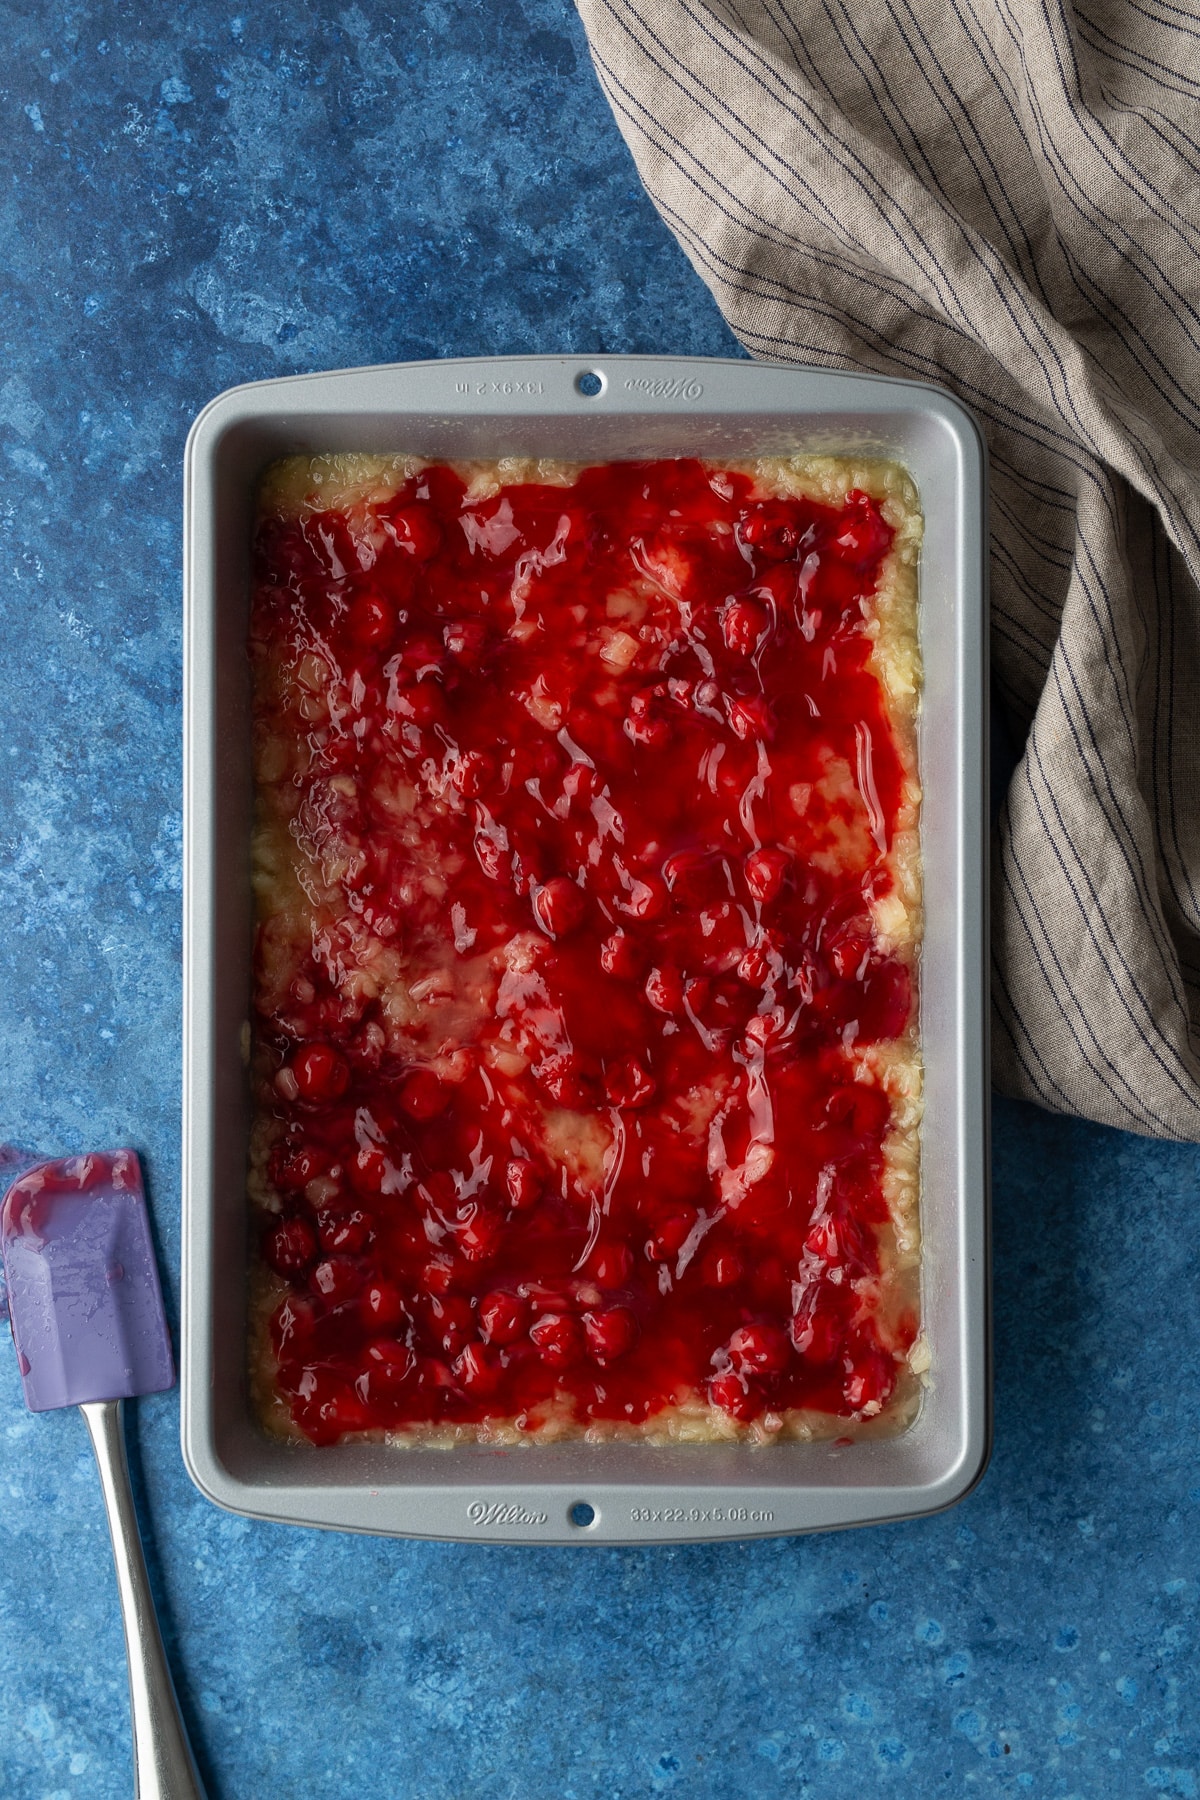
point(1000, 196)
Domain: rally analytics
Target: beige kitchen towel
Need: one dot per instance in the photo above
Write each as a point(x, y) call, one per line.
point(1000, 196)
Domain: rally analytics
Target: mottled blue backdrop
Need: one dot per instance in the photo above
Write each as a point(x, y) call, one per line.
point(218, 196)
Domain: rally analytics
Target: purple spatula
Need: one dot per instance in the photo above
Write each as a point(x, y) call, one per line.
point(87, 1320)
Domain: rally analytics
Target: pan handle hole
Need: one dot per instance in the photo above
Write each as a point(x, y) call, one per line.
point(582, 1514)
point(591, 384)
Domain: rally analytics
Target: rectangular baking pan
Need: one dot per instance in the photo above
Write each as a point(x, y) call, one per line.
point(587, 410)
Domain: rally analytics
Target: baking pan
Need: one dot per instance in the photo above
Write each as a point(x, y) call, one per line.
point(601, 409)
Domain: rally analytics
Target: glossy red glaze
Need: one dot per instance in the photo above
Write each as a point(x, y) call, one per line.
point(680, 802)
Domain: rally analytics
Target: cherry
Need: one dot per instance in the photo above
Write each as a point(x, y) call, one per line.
point(387, 1364)
point(558, 1339)
point(735, 1394)
point(416, 530)
point(744, 625)
point(863, 536)
point(763, 960)
point(645, 898)
point(751, 718)
point(503, 1317)
point(480, 1236)
point(477, 1371)
point(293, 1325)
point(766, 871)
point(664, 989)
point(758, 1350)
point(290, 1246)
point(371, 621)
point(609, 1333)
point(382, 1306)
point(770, 532)
point(558, 907)
point(671, 1234)
point(422, 656)
point(321, 1074)
point(619, 956)
point(848, 953)
point(293, 1173)
point(449, 1321)
point(330, 1408)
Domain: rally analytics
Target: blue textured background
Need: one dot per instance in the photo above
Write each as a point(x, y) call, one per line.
point(218, 198)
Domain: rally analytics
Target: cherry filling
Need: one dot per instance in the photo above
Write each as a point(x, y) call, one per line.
point(590, 791)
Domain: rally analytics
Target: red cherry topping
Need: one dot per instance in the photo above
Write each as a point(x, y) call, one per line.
point(566, 1067)
point(423, 1097)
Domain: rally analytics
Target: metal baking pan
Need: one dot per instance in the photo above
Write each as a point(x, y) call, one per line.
point(584, 410)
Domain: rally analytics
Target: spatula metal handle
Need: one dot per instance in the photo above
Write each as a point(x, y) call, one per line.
point(164, 1768)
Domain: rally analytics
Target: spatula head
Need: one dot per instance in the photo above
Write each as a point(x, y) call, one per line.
point(83, 1294)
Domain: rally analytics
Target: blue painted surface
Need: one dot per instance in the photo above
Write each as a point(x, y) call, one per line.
point(214, 198)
